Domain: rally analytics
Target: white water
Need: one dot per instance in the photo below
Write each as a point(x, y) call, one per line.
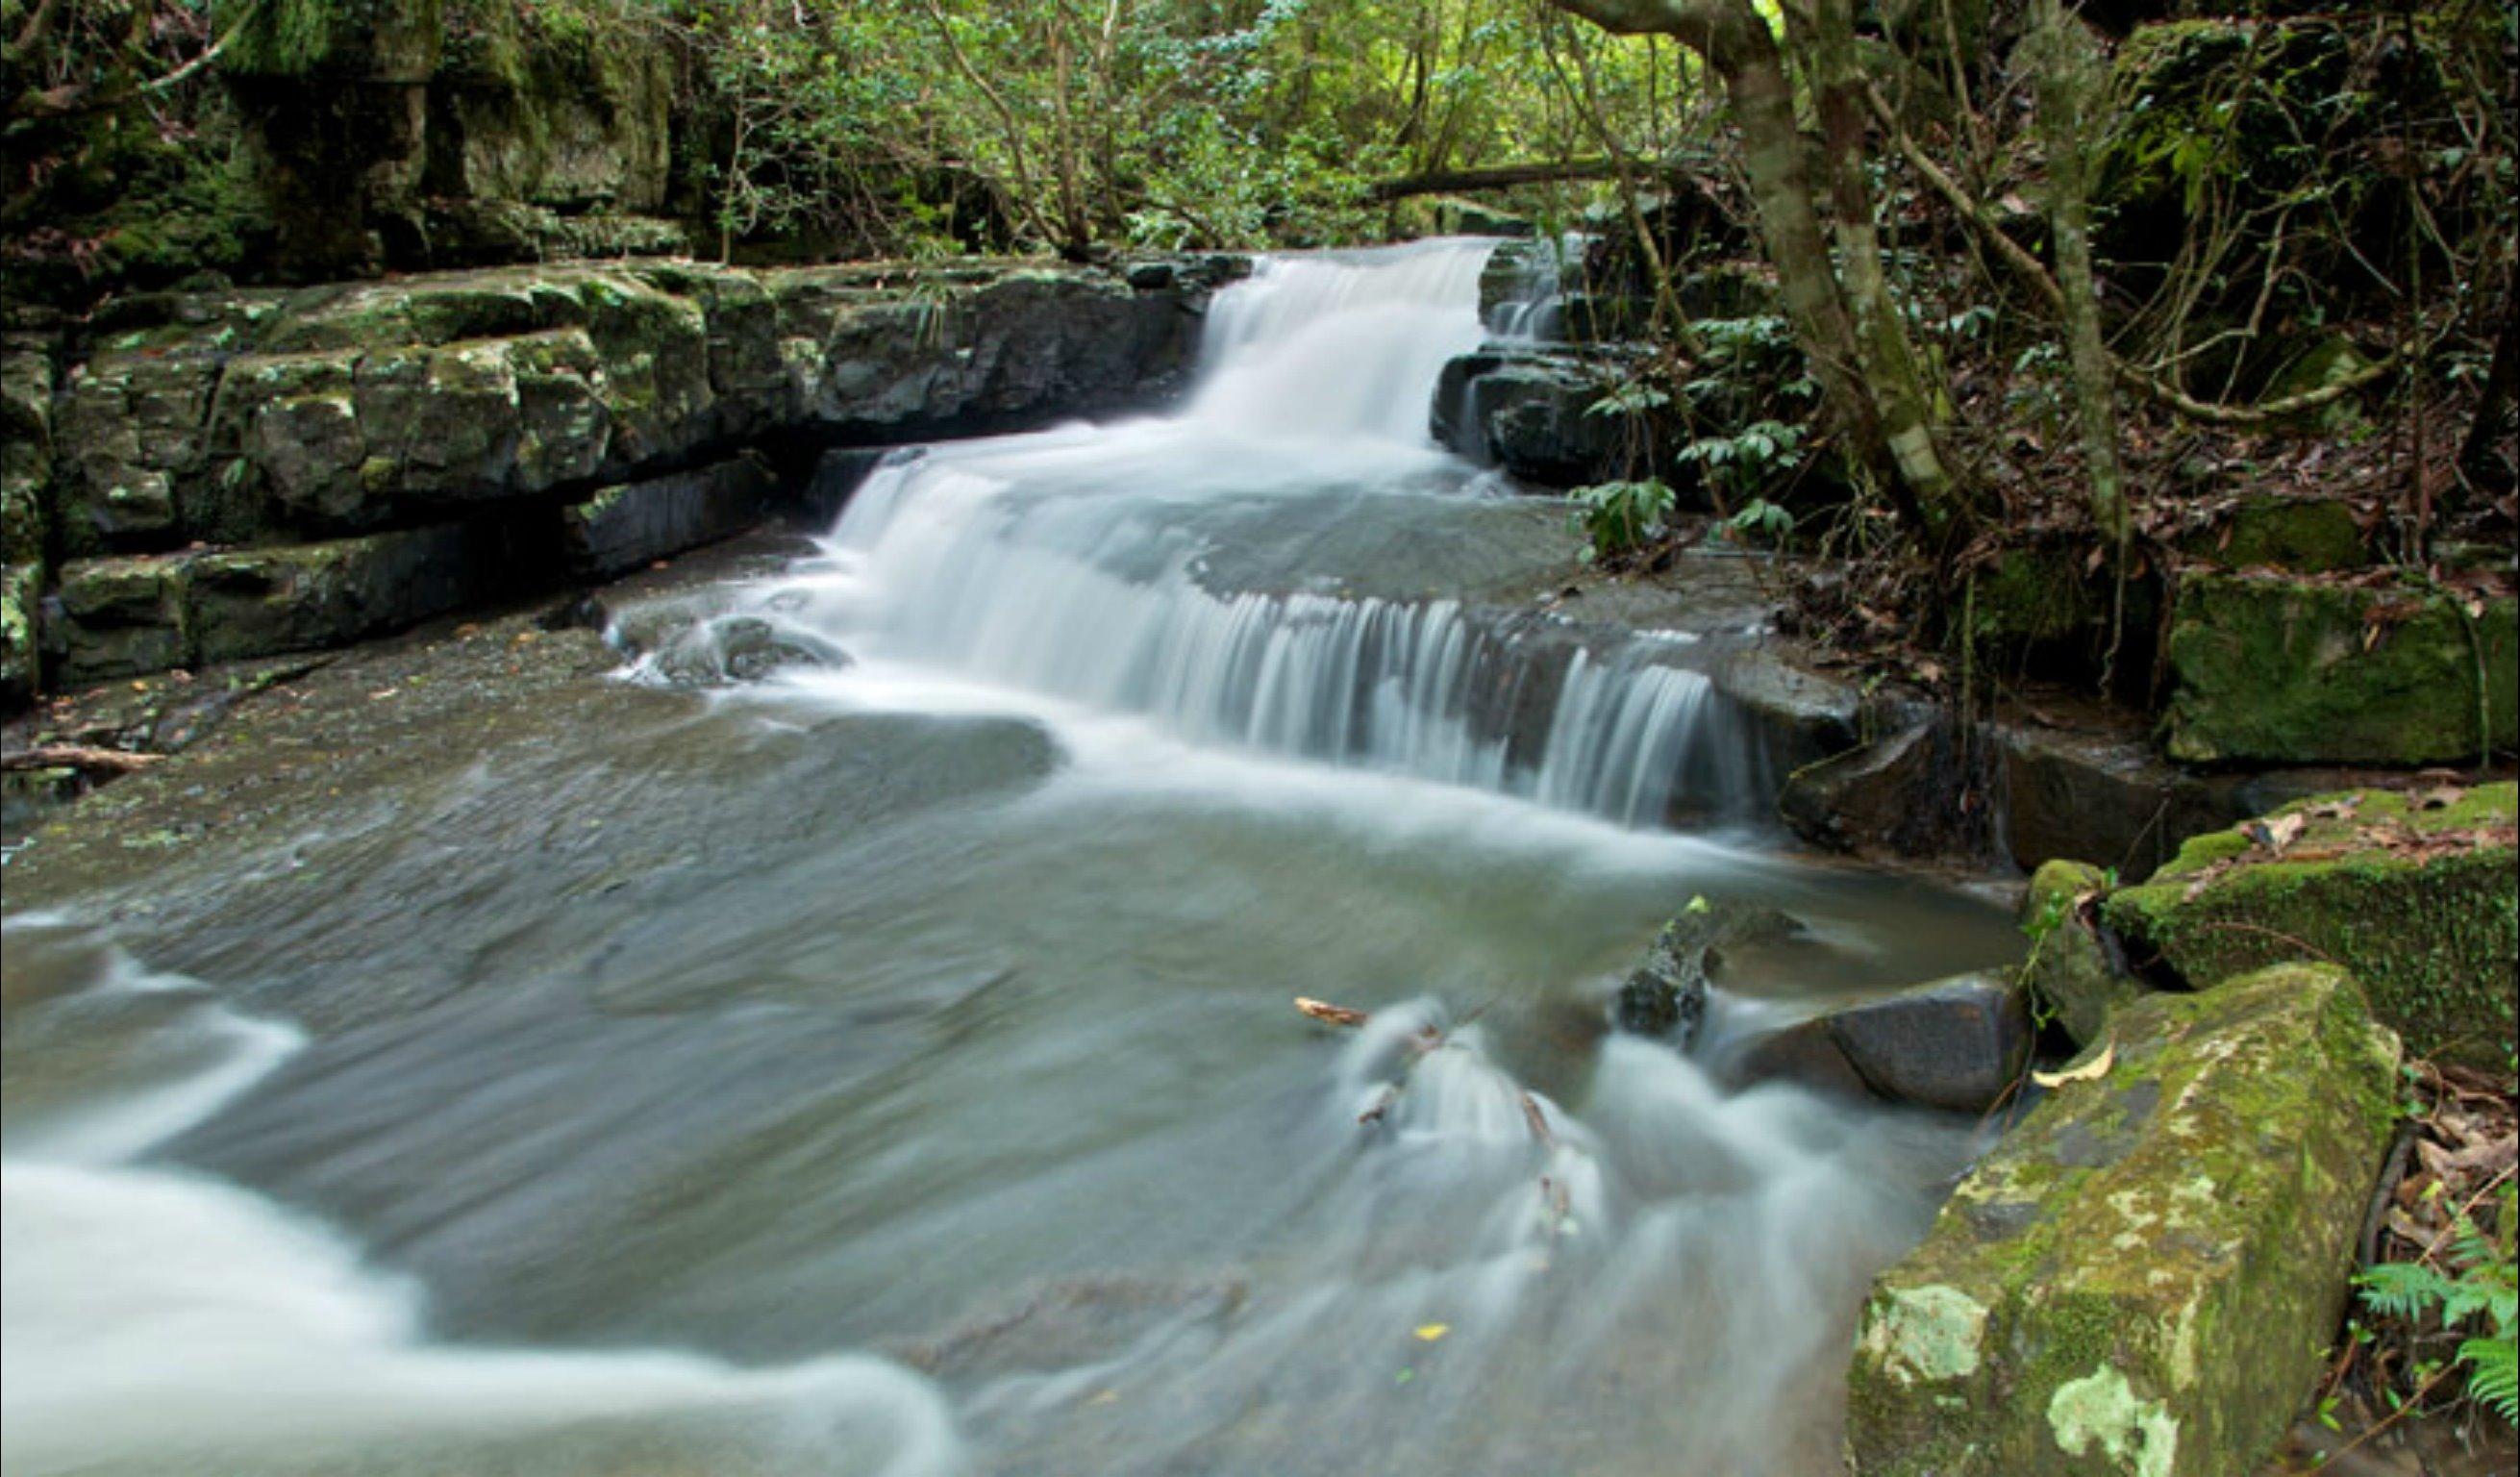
point(1475, 1265)
point(155, 1320)
point(1070, 565)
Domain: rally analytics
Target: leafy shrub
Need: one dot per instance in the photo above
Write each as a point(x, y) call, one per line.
point(1620, 516)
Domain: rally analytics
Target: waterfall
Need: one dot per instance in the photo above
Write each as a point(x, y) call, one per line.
point(1072, 564)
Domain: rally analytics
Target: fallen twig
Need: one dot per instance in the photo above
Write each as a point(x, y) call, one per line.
point(109, 761)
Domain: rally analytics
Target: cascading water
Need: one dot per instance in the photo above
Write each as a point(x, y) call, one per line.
point(1072, 565)
point(891, 1072)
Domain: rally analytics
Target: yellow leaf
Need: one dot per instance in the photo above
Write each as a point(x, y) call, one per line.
point(2097, 1067)
point(1429, 1332)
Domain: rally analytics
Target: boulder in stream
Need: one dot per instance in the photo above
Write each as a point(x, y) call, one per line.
point(2414, 894)
point(1957, 1045)
point(2144, 1275)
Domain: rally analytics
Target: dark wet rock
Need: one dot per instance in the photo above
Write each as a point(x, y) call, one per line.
point(117, 617)
point(2142, 1276)
point(623, 528)
point(1529, 412)
point(2431, 930)
point(2098, 788)
point(1875, 799)
point(1804, 716)
point(2074, 974)
point(2285, 671)
point(837, 476)
point(1666, 993)
point(305, 596)
point(1958, 1045)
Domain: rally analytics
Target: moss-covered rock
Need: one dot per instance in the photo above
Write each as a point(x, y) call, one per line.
point(2285, 671)
point(2421, 904)
point(119, 617)
point(2069, 975)
point(25, 474)
point(2144, 1275)
point(257, 419)
point(2306, 536)
point(306, 597)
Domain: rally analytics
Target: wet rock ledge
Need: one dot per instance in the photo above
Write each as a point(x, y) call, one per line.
point(204, 476)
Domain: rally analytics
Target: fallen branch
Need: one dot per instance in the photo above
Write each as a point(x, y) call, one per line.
point(1494, 177)
point(104, 761)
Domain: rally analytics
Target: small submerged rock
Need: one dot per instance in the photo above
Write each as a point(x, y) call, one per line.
point(737, 649)
point(1666, 994)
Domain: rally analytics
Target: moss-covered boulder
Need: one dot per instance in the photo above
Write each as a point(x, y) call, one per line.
point(2284, 671)
point(2070, 977)
point(2421, 899)
point(2304, 535)
point(2144, 1275)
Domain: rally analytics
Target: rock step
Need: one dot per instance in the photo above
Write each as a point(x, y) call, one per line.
point(125, 616)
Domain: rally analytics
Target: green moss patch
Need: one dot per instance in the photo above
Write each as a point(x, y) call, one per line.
point(2298, 672)
point(2418, 898)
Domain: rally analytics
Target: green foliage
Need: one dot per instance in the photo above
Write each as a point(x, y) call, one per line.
point(1619, 517)
point(1746, 461)
point(2476, 1286)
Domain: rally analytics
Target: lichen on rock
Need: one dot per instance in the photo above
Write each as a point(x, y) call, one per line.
point(2144, 1273)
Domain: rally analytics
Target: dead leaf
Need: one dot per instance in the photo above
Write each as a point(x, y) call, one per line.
point(1329, 1015)
point(2276, 832)
point(1427, 1333)
point(2090, 1071)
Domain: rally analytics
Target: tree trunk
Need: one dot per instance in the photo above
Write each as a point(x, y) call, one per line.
point(1888, 359)
point(2067, 65)
point(1735, 42)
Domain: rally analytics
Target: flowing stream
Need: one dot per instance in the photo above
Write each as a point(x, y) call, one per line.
point(888, 1067)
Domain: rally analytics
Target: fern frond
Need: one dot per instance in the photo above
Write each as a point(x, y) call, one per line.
point(2494, 1374)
